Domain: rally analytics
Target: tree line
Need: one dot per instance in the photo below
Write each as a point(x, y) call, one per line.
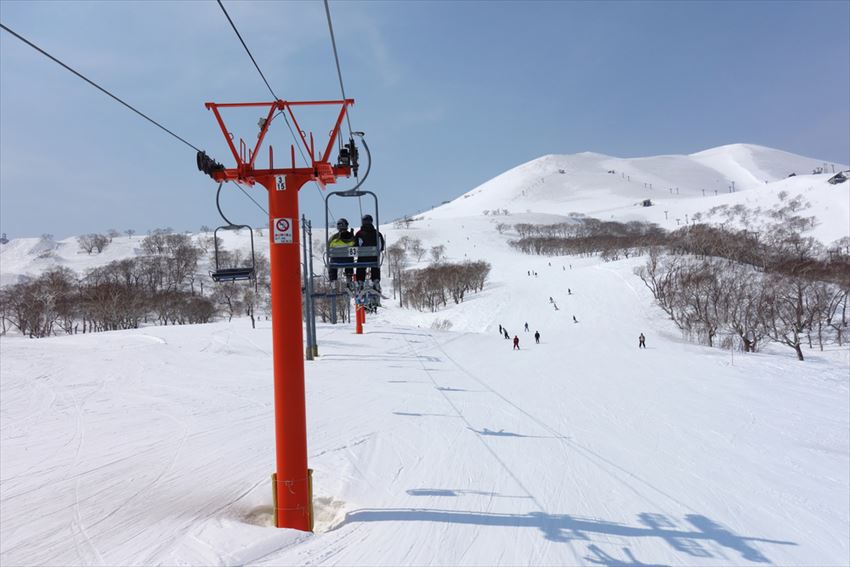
point(718, 283)
point(161, 286)
point(432, 287)
point(710, 297)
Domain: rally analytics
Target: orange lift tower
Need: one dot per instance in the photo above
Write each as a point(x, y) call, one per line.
point(292, 483)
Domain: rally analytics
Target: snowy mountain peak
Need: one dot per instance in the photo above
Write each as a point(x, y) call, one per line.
point(618, 188)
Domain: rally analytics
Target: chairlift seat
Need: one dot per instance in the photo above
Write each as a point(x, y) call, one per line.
point(232, 274)
point(242, 273)
point(340, 257)
point(351, 257)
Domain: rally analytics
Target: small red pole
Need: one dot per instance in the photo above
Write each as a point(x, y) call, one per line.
point(359, 317)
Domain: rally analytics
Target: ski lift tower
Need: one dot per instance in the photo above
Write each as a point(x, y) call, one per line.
point(292, 483)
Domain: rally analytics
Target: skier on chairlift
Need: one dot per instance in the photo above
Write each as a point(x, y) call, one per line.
point(342, 238)
point(369, 236)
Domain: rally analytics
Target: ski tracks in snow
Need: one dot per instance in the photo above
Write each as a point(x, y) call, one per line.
point(602, 462)
point(87, 551)
point(444, 392)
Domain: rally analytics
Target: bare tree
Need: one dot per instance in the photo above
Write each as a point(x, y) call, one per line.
point(786, 315)
point(438, 252)
point(431, 288)
point(417, 249)
point(91, 242)
point(397, 260)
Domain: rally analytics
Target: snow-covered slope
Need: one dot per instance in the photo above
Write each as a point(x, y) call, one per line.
point(155, 446)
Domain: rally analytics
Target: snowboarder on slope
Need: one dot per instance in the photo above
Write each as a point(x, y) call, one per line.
point(516, 342)
point(641, 341)
point(526, 327)
point(506, 334)
point(537, 337)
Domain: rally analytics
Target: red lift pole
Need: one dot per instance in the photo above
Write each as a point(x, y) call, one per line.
point(292, 484)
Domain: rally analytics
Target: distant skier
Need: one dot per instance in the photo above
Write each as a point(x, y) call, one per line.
point(551, 300)
point(556, 306)
point(641, 341)
point(516, 342)
point(574, 319)
point(537, 337)
point(569, 291)
point(526, 327)
point(500, 328)
point(506, 334)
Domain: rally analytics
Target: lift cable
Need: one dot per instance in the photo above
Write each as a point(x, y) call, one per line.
point(103, 90)
point(342, 89)
point(246, 49)
point(218, 206)
point(98, 87)
point(252, 199)
point(254, 61)
point(336, 58)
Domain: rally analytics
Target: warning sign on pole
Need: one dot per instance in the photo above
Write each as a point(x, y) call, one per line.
point(282, 231)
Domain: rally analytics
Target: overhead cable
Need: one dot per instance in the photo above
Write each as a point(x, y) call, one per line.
point(285, 118)
point(98, 87)
point(252, 199)
point(246, 49)
point(336, 58)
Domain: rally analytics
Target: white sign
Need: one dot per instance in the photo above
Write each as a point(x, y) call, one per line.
point(280, 184)
point(282, 231)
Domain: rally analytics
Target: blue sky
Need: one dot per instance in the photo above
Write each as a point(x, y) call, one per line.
point(450, 94)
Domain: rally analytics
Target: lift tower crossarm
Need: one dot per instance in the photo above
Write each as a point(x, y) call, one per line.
point(244, 171)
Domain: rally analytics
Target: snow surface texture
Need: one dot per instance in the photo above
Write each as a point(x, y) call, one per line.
point(156, 446)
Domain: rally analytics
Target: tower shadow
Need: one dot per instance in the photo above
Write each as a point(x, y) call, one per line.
point(563, 528)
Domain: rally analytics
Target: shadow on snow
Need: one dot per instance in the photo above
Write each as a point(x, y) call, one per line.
point(564, 528)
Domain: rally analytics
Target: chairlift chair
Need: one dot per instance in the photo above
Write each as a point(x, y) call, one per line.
point(335, 257)
point(244, 273)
